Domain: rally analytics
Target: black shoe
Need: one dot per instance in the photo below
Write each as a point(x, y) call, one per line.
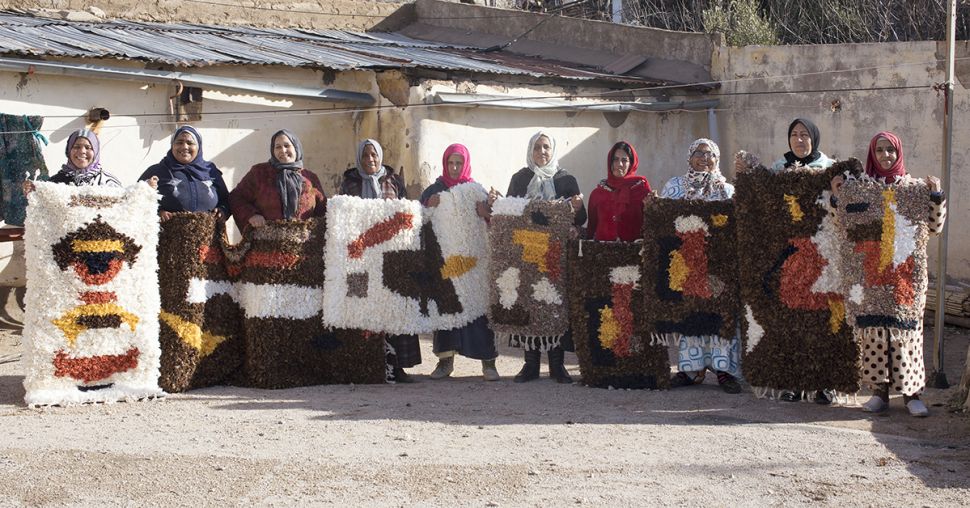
point(530, 371)
point(789, 396)
point(823, 397)
point(557, 370)
point(402, 377)
point(680, 379)
point(728, 383)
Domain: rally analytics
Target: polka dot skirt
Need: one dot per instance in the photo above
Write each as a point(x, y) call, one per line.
point(887, 360)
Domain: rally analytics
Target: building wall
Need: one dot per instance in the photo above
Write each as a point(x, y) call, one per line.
point(848, 119)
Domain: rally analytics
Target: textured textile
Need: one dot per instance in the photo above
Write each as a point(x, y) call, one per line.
point(20, 155)
point(609, 330)
point(258, 194)
point(92, 304)
point(795, 335)
point(527, 279)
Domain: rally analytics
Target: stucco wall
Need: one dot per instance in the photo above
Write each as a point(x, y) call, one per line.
point(848, 120)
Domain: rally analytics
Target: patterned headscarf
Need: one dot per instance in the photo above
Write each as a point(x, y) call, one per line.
point(371, 188)
point(199, 168)
point(466, 169)
point(541, 185)
point(705, 184)
point(95, 165)
point(289, 181)
point(874, 169)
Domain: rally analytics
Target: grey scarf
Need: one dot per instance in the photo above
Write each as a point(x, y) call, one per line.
point(371, 184)
point(289, 181)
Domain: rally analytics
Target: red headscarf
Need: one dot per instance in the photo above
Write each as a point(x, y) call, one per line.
point(622, 184)
point(466, 169)
point(875, 170)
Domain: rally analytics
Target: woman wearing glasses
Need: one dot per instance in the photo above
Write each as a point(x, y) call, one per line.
point(616, 204)
point(696, 355)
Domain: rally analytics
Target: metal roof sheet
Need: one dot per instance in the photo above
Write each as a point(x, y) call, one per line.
point(191, 45)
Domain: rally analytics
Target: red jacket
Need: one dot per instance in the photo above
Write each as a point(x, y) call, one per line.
point(257, 193)
point(605, 223)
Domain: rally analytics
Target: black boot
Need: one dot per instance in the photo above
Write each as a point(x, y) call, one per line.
point(530, 371)
point(557, 370)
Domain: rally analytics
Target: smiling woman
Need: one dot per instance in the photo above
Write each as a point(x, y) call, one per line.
point(83, 165)
point(186, 181)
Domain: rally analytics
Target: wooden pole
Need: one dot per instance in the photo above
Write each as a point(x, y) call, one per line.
point(938, 379)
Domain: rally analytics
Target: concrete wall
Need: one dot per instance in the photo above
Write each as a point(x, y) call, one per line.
point(848, 120)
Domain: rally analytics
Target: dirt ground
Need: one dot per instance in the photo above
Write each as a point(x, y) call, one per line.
point(464, 442)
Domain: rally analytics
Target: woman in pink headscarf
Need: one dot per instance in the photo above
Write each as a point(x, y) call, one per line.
point(885, 164)
point(474, 340)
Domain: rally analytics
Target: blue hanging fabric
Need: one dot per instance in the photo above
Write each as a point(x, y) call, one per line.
point(20, 154)
point(39, 136)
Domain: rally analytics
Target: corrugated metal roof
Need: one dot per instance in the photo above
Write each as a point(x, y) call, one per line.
point(193, 45)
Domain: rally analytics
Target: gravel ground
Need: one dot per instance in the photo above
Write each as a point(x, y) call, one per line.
point(464, 442)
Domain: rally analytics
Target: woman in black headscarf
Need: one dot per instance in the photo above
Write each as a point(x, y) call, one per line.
point(803, 142)
point(186, 181)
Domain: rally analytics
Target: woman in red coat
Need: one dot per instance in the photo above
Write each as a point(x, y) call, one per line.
point(616, 204)
point(278, 189)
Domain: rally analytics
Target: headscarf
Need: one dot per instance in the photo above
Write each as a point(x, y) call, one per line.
point(82, 176)
point(466, 169)
point(705, 184)
point(541, 185)
point(289, 181)
point(371, 188)
point(874, 169)
point(199, 168)
point(622, 184)
point(790, 158)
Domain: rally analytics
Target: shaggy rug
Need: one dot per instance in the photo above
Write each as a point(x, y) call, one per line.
point(885, 276)
point(608, 325)
point(690, 271)
point(91, 320)
point(202, 339)
point(795, 335)
point(527, 271)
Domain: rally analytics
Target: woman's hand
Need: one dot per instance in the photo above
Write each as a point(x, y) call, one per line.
point(483, 210)
point(28, 187)
point(652, 195)
point(837, 182)
point(433, 201)
point(933, 183)
point(257, 221)
point(492, 196)
point(576, 202)
point(164, 216)
point(153, 182)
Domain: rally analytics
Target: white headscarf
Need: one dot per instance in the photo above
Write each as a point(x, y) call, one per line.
point(702, 184)
point(371, 184)
point(541, 185)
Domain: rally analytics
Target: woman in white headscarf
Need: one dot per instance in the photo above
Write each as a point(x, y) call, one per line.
point(371, 179)
point(542, 178)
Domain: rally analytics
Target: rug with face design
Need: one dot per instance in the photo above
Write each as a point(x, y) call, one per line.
point(92, 304)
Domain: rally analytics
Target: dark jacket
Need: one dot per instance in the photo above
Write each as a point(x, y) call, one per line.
point(180, 193)
point(391, 182)
point(565, 184)
point(257, 193)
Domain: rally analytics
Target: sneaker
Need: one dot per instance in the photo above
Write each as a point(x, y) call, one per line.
point(680, 379)
point(728, 383)
point(917, 408)
point(444, 368)
point(875, 405)
point(489, 372)
point(789, 396)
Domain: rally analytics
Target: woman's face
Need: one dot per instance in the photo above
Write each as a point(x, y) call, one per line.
point(185, 147)
point(620, 165)
point(800, 141)
point(370, 160)
point(703, 159)
point(885, 153)
point(542, 151)
point(455, 164)
point(283, 149)
point(82, 153)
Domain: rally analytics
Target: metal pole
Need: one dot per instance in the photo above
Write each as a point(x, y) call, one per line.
point(939, 377)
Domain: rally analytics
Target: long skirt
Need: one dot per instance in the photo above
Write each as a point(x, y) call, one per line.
point(474, 340)
point(407, 350)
